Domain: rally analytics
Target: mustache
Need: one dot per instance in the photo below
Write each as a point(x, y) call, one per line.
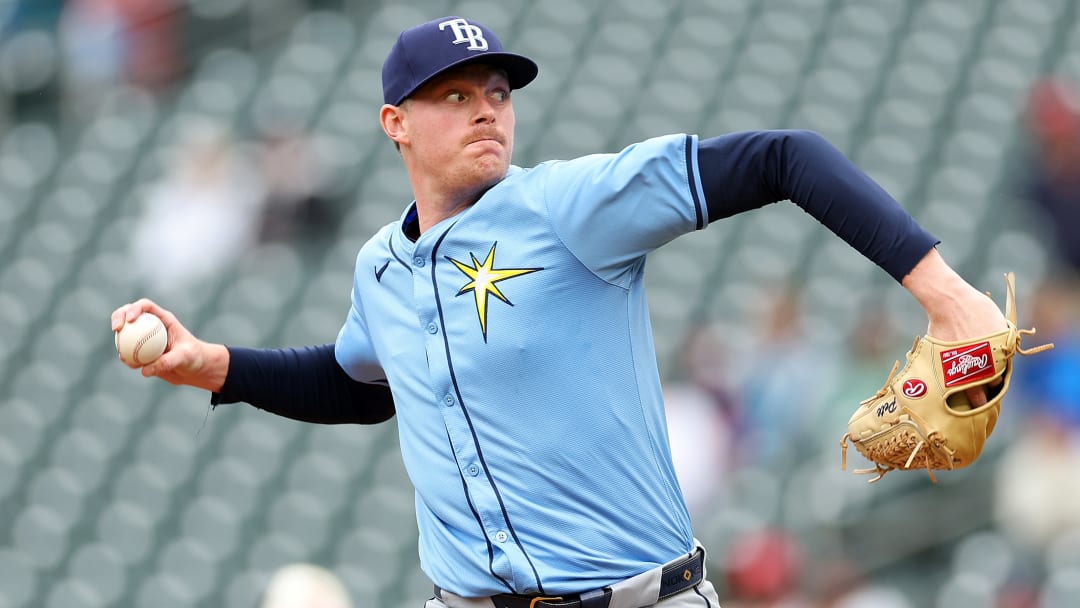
point(486, 133)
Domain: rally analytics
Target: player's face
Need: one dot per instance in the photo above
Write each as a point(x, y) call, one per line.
point(460, 128)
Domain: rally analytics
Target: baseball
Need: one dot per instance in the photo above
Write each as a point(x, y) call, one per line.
point(142, 341)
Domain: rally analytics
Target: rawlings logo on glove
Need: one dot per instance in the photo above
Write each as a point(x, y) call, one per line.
point(914, 388)
point(921, 418)
point(967, 364)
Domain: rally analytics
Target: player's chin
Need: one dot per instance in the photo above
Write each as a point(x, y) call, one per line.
point(490, 167)
point(488, 148)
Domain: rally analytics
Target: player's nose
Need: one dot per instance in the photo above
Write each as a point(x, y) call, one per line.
point(485, 111)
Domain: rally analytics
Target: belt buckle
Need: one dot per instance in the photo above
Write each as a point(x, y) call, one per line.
point(540, 598)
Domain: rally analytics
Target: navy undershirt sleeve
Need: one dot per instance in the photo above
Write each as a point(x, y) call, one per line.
point(305, 384)
point(746, 170)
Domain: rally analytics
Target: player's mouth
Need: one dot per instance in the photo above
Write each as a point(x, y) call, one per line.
point(486, 137)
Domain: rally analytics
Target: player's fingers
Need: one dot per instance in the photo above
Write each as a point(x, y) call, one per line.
point(131, 311)
point(119, 317)
point(162, 365)
point(976, 396)
point(170, 361)
point(140, 306)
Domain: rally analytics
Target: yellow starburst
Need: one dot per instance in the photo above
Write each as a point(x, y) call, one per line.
point(482, 279)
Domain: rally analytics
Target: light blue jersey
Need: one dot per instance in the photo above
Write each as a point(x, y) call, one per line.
point(515, 338)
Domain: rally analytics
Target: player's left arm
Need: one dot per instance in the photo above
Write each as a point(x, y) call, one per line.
point(742, 171)
point(747, 170)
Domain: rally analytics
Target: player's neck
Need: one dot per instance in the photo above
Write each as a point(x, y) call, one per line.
point(430, 212)
point(433, 207)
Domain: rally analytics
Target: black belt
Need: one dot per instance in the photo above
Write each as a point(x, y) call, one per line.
point(675, 578)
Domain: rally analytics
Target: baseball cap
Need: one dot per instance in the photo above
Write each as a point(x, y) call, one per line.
point(423, 52)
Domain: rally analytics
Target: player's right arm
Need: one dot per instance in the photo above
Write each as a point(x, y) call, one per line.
point(304, 384)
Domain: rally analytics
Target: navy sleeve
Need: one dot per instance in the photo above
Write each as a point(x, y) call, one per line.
point(747, 170)
point(305, 384)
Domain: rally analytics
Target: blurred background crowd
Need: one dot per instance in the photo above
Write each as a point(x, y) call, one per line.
point(224, 158)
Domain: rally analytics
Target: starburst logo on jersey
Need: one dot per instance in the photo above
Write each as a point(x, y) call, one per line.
point(482, 279)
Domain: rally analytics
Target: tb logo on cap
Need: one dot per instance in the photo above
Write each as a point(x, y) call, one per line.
point(466, 32)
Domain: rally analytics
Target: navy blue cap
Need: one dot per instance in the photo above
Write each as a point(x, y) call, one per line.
point(429, 49)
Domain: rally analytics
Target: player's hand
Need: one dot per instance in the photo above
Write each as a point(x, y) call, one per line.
point(957, 311)
point(973, 315)
point(187, 360)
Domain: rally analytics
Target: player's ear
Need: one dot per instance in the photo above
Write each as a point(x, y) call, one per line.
point(392, 119)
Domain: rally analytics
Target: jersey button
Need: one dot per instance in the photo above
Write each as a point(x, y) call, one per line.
point(474, 470)
point(432, 328)
point(419, 261)
point(448, 400)
point(500, 537)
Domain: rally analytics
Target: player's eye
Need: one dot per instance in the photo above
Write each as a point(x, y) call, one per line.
point(500, 95)
point(455, 97)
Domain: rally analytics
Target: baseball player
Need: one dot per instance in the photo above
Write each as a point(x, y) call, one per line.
point(503, 319)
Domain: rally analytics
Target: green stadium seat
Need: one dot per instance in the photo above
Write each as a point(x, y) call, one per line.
point(244, 587)
point(232, 482)
point(166, 590)
point(18, 578)
point(83, 456)
point(128, 527)
point(255, 443)
point(10, 468)
point(24, 427)
point(45, 385)
point(73, 592)
point(302, 517)
point(101, 568)
point(145, 486)
point(40, 533)
point(190, 561)
point(213, 524)
point(364, 551)
point(271, 549)
point(318, 474)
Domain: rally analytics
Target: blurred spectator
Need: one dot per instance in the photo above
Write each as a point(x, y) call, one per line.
point(26, 14)
point(94, 39)
point(1038, 489)
point(706, 363)
point(870, 595)
point(783, 387)
point(303, 585)
point(202, 216)
point(29, 58)
point(700, 446)
point(297, 207)
point(699, 416)
point(1037, 495)
point(869, 353)
point(153, 59)
point(763, 569)
point(112, 42)
point(840, 583)
point(1050, 383)
point(1052, 180)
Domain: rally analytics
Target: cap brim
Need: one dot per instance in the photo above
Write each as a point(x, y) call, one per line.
point(520, 70)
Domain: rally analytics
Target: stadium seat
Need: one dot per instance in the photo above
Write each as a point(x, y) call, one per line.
point(100, 568)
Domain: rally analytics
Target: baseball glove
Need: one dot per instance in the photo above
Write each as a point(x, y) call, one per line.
point(922, 418)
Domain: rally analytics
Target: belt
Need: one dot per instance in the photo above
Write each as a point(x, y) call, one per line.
point(676, 577)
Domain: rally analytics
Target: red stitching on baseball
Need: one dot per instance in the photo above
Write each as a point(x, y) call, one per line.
point(142, 340)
